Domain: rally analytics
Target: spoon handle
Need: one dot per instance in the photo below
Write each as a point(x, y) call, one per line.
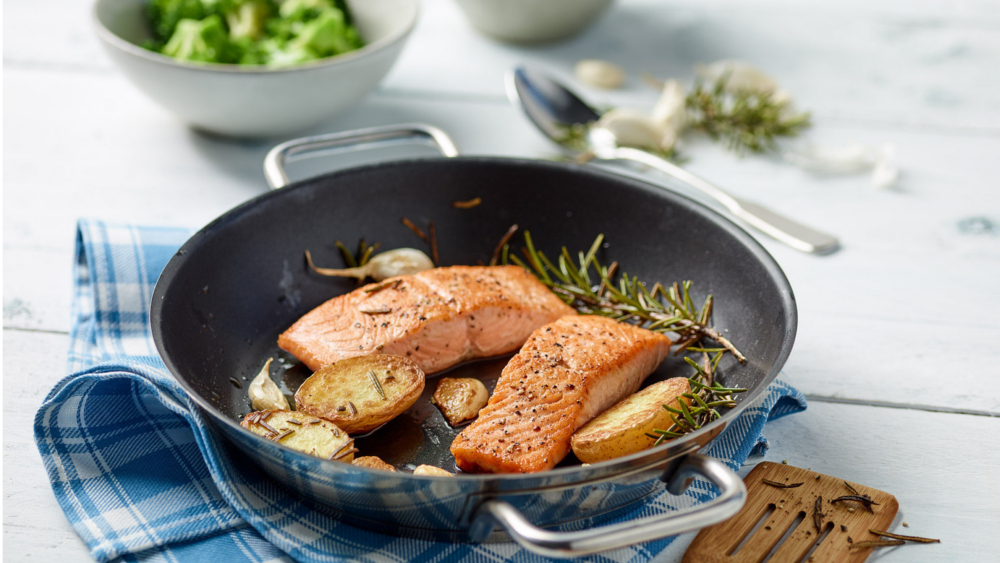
point(792, 233)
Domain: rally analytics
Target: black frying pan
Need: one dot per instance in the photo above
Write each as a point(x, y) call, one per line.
point(234, 286)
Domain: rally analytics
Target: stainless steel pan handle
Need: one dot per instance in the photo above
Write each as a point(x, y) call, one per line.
point(308, 147)
point(585, 542)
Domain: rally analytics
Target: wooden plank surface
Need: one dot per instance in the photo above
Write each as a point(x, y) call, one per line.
point(906, 315)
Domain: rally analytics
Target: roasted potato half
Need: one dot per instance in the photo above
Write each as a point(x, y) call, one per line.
point(363, 393)
point(302, 432)
point(372, 462)
point(460, 399)
point(621, 430)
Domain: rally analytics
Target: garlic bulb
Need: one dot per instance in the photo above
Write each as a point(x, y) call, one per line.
point(264, 394)
point(398, 262)
point(599, 74)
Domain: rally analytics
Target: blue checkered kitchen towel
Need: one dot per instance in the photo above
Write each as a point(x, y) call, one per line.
point(141, 479)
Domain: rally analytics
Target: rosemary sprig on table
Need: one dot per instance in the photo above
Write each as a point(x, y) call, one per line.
point(590, 288)
point(748, 121)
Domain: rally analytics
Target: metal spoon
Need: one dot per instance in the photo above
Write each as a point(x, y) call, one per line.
point(552, 108)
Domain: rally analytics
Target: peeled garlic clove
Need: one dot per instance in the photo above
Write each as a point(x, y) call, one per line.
point(669, 107)
point(740, 76)
point(264, 394)
point(432, 471)
point(599, 74)
point(632, 128)
point(670, 113)
point(399, 262)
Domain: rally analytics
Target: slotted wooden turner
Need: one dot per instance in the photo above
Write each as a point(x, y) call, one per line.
point(772, 513)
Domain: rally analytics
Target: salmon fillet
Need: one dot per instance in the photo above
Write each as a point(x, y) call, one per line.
point(567, 373)
point(436, 318)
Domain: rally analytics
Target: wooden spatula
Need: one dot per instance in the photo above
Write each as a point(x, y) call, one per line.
point(774, 513)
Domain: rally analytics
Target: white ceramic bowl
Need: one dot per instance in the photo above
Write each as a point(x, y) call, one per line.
point(532, 21)
point(246, 101)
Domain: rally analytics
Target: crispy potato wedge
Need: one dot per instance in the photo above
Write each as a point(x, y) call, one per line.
point(460, 399)
point(621, 430)
point(372, 462)
point(363, 393)
point(302, 432)
point(432, 471)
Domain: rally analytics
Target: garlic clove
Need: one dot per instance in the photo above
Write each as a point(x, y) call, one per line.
point(670, 113)
point(632, 128)
point(398, 262)
point(599, 74)
point(264, 394)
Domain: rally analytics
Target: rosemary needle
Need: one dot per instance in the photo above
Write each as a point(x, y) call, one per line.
point(780, 485)
point(378, 386)
point(902, 537)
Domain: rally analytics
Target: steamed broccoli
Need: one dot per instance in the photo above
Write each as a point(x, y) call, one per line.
point(252, 32)
point(247, 19)
point(198, 40)
point(327, 35)
point(165, 14)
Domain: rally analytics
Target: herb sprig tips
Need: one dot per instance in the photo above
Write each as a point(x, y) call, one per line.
point(590, 288)
point(746, 120)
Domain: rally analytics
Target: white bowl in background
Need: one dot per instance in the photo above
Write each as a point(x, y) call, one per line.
point(249, 101)
point(532, 21)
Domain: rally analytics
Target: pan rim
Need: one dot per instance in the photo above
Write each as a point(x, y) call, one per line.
point(610, 468)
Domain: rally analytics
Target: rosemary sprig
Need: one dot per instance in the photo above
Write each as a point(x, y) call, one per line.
point(363, 255)
point(594, 289)
point(591, 288)
point(706, 397)
point(748, 121)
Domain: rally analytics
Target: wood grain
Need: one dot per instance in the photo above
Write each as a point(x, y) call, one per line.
point(782, 522)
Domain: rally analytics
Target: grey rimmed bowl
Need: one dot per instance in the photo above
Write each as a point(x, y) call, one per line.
point(247, 101)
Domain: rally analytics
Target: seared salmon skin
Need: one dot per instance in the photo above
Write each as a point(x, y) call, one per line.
point(567, 373)
point(436, 318)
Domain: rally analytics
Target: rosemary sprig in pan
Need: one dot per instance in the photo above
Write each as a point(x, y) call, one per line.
point(362, 257)
point(747, 121)
point(590, 288)
point(706, 396)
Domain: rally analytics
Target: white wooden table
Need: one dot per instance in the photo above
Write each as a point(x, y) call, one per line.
point(897, 347)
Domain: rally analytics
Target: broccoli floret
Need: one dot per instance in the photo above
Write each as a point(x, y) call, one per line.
point(251, 32)
point(199, 40)
point(302, 10)
point(291, 55)
point(327, 35)
point(247, 19)
point(165, 14)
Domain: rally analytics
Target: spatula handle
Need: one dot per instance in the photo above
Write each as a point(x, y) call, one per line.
point(308, 147)
point(585, 542)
